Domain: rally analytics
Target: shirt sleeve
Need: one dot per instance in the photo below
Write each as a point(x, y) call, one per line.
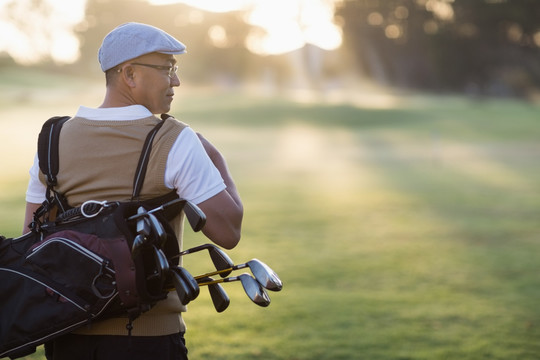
point(35, 193)
point(190, 171)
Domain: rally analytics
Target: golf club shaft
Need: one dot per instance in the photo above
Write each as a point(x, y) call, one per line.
point(229, 279)
point(159, 208)
point(217, 272)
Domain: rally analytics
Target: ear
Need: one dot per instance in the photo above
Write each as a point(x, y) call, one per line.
point(128, 75)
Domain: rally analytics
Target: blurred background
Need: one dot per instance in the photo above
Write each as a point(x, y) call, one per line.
point(480, 47)
point(386, 152)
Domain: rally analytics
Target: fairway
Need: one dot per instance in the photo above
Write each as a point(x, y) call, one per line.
point(406, 229)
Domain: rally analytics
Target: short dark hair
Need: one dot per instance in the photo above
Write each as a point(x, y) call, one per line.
point(110, 75)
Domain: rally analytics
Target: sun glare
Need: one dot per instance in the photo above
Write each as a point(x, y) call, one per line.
point(279, 26)
point(208, 5)
point(290, 24)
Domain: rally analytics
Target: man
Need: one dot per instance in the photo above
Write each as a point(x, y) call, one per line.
point(98, 154)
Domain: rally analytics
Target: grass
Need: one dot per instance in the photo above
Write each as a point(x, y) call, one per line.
point(406, 232)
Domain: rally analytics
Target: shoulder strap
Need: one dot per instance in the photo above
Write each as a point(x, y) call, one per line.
point(48, 147)
point(140, 173)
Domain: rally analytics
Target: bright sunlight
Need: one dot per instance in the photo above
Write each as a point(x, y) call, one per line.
point(279, 26)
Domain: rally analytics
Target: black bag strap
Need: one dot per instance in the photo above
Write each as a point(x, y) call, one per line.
point(48, 163)
point(140, 173)
point(48, 147)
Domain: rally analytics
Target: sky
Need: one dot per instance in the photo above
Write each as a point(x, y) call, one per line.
point(32, 33)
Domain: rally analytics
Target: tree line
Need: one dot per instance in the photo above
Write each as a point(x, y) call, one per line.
point(484, 47)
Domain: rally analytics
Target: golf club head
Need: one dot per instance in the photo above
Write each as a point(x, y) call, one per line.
point(143, 226)
point(220, 259)
point(195, 216)
point(220, 299)
point(138, 242)
point(265, 275)
point(161, 260)
point(157, 229)
point(182, 288)
point(254, 290)
point(190, 281)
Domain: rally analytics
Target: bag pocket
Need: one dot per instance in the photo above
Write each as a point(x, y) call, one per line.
point(72, 266)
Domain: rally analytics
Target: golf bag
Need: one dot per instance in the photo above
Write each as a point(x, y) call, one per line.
point(79, 266)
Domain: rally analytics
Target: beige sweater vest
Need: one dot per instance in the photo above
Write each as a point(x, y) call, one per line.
point(97, 161)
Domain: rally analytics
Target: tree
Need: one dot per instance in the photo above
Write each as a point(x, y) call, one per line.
point(487, 46)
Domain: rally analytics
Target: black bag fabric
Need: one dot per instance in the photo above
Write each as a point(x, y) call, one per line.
point(72, 273)
point(79, 267)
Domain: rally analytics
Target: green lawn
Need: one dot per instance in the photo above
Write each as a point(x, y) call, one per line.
point(404, 232)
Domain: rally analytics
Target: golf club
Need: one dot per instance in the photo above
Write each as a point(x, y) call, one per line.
point(221, 260)
point(190, 281)
point(162, 264)
point(143, 230)
point(143, 227)
point(194, 214)
point(220, 299)
point(157, 229)
point(262, 273)
point(182, 288)
point(159, 208)
point(253, 289)
point(138, 242)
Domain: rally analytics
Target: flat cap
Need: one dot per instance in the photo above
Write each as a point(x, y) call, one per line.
point(132, 40)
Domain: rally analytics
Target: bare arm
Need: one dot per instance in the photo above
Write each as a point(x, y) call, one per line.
point(224, 211)
point(28, 215)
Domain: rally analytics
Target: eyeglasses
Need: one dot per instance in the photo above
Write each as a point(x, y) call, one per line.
point(171, 70)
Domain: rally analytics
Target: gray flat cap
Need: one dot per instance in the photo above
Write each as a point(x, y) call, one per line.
point(132, 40)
